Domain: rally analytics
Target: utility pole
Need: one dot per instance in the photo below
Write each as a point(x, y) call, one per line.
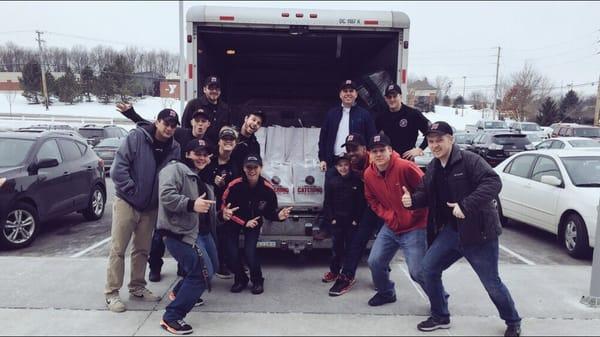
point(597, 116)
point(181, 62)
point(462, 113)
point(494, 111)
point(42, 68)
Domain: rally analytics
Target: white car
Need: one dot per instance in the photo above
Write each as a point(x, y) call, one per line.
point(555, 190)
point(569, 143)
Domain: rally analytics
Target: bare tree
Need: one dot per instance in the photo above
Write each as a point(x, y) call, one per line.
point(527, 89)
point(443, 84)
point(79, 58)
point(478, 99)
point(10, 95)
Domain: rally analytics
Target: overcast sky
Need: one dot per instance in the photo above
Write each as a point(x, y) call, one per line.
point(454, 39)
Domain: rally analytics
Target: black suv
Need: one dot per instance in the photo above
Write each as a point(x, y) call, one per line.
point(44, 175)
point(495, 147)
point(95, 133)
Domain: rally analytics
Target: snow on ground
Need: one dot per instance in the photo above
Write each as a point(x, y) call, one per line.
point(148, 107)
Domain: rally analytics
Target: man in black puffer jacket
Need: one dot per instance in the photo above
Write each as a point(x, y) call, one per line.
point(459, 188)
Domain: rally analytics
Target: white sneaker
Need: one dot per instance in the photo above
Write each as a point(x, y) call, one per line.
point(114, 303)
point(143, 294)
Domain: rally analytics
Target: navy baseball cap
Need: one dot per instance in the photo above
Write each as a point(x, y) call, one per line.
point(348, 84)
point(354, 139)
point(202, 113)
point(379, 140)
point(227, 133)
point(198, 146)
point(393, 89)
point(440, 128)
point(253, 159)
point(212, 81)
point(169, 116)
point(343, 156)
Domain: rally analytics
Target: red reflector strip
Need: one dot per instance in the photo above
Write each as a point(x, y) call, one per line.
point(285, 15)
point(226, 18)
point(404, 76)
point(190, 71)
point(299, 15)
point(371, 22)
point(313, 16)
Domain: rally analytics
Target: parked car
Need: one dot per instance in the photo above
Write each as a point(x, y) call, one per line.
point(106, 150)
point(491, 126)
point(463, 139)
point(535, 139)
point(576, 130)
point(528, 128)
point(95, 133)
point(555, 190)
point(44, 175)
point(496, 147)
point(568, 143)
point(49, 127)
point(426, 158)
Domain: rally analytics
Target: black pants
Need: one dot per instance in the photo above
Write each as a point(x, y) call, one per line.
point(342, 234)
point(234, 261)
point(157, 251)
point(368, 226)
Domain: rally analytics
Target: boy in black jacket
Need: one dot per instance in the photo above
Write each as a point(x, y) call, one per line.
point(343, 207)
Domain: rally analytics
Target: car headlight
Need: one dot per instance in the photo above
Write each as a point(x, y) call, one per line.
point(2, 181)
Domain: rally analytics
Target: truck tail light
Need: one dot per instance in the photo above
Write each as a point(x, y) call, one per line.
point(313, 16)
point(285, 15)
point(299, 15)
point(189, 39)
point(371, 22)
point(226, 18)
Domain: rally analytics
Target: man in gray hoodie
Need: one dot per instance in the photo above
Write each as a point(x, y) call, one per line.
point(145, 151)
point(186, 221)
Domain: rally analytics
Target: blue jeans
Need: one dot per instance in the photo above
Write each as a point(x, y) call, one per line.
point(207, 242)
point(369, 224)
point(414, 246)
point(157, 251)
point(446, 250)
point(234, 261)
point(193, 284)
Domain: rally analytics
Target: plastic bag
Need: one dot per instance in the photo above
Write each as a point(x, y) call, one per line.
point(280, 175)
point(309, 184)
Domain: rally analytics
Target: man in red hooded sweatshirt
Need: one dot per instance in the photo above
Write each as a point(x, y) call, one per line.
point(386, 179)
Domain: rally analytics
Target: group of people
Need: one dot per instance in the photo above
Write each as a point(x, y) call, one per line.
point(174, 190)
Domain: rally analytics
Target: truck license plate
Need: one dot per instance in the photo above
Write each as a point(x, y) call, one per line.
point(266, 244)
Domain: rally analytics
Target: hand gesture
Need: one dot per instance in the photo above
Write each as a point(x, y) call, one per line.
point(406, 198)
point(323, 166)
point(220, 180)
point(411, 154)
point(252, 223)
point(285, 213)
point(122, 107)
point(202, 205)
point(228, 212)
point(457, 212)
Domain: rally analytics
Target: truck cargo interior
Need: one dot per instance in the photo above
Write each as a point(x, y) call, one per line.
point(293, 75)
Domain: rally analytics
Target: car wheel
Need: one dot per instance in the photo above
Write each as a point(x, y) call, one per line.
point(20, 227)
point(503, 220)
point(96, 204)
point(575, 236)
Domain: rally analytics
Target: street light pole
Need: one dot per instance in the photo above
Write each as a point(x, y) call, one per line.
point(462, 113)
point(593, 300)
point(181, 62)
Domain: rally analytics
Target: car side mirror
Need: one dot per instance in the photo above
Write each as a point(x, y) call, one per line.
point(551, 180)
point(480, 128)
point(42, 163)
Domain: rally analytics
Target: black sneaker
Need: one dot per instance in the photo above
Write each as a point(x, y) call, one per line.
point(238, 287)
point(342, 285)
point(432, 324)
point(154, 276)
point(178, 327)
point(379, 299)
point(257, 289)
point(513, 331)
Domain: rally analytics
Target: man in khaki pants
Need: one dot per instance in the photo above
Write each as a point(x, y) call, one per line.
point(145, 151)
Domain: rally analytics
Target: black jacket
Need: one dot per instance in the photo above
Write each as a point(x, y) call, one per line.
point(244, 147)
point(403, 127)
point(228, 170)
point(220, 116)
point(474, 185)
point(344, 198)
point(253, 202)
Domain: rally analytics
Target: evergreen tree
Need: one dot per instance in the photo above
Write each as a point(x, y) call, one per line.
point(548, 112)
point(104, 86)
point(122, 72)
point(568, 106)
point(31, 82)
point(459, 102)
point(51, 86)
point(87, 82)
point(68, 88)
point(446, 101)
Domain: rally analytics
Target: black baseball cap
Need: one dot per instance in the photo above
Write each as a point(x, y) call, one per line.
point(354, 139)
point(198, 145)
point(441, 128)
point(379, 140)
point(212, 81)
point(343, 156)
point(253, 159)
point(348, 84)
point(169, 116)
point(393, 89)
point(201, 112)
point(227, 133)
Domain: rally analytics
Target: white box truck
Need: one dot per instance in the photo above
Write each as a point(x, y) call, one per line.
point(289, 64)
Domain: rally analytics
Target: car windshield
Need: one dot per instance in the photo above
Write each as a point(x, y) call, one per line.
point(584, 143)
point(530, 127)
point(496, 125)
point(463, 138)
point(511, 140)
point(110, 142)
point(13, 151)
point(91, 133)
point(534, 138)
point(587, 132)
point(583, 171)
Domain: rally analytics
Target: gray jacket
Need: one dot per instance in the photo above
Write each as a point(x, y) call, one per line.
point(177, 186)
point(134, 171)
